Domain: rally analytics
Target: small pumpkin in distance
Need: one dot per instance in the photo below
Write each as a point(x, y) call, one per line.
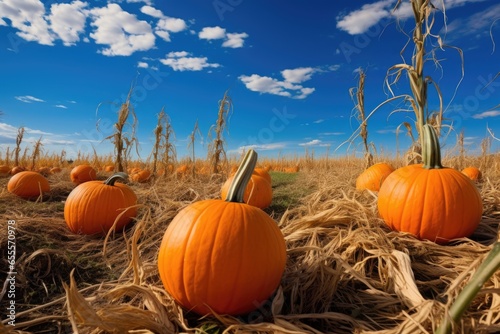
point(4, 170)
point(373, 177)
point(222, 256)
point(93, 207)
point(28, 184)
point(141, 176)
point(82, 173)
point(430, 201)
point(17, 169)
point(473, 173)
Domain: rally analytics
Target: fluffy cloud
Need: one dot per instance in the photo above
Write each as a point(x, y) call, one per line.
point(212, 33)
point(183, 61)
point(121, 31)
point(289, 87)
point(235, 40)
point(67, 20)
point(232, 40)
point(165, 24)
point(28, 17)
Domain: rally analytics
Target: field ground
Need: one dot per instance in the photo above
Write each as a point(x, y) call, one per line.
point(343, 274)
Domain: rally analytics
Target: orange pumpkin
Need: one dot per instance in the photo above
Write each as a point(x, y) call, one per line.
point(258, 192)
point(222, 256)
point(55, 170)
point(94, 206)
point(141, 176)
point(82, 173)
point(430, 201)
point(373, 177)
point(4, 170)
point(109, 168)
point(264, 173)
point(28, 184)
point(473, 173)
point(16, 170)
point(45, 171)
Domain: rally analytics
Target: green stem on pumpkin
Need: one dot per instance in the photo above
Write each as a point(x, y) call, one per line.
point(110, 181)
point(431, 152)
point(489, 266)
point(241, 178)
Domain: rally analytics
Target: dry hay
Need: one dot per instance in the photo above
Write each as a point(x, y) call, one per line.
point(346, 271)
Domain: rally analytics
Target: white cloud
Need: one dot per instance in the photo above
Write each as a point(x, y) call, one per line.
point(234, 40)
point(360, 20)
point(151, 11)
point(182, 61)
point(67, 20)
point(318, 121)
point(314, 142)
point(28, 16)
point(121, 31)
point(472, 24)
point(332, 134)
point(490, 113)
point(142, 64)
point(258, 147)
point(289, 87)
point(298, 75)
point(212, 33)
point(62, 106)
point(28, 99)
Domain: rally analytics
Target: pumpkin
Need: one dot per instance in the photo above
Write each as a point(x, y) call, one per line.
point(141, 176)
point(94, 207)
point(264, 173)
point(4, 170)
point(45, 171)
point(109, 168)
point(258, 193)
point(473, 173)
point(55, 170)
point(28, 184)
point(372, 177)
point(16, 170)
point(223, 256)
point(82, 173)
point(430, 201)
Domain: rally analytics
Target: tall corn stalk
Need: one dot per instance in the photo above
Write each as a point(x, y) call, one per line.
point(192, 138)
point(19, 140)
point(36, 153)
point(163, 142)
point(358, 96)
point(122, 139)
point(216, 152)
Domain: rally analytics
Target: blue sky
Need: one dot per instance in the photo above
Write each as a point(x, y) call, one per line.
point(288, 66)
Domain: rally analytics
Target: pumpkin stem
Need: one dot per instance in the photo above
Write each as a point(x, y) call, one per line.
point(110, 181)
point(243, 174)
point(431, 152)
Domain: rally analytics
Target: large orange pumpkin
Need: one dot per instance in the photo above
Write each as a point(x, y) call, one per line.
point(223, 256)
point(82, 173)
point(264, 173)
point(430, 201)
point(28, 184)
point(373, 177)
point(94, 206)
point(473, 173)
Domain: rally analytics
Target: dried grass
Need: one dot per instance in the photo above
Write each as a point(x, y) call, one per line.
point(346, 271)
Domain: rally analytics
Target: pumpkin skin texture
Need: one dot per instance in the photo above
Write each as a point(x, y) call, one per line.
point(258, 193)
point(430, 201)
point(264, 173)
point(222, 256)
point(92, 207)
point(28, 184)
point(82, 173)
point(372, 177)
point(473, 173)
